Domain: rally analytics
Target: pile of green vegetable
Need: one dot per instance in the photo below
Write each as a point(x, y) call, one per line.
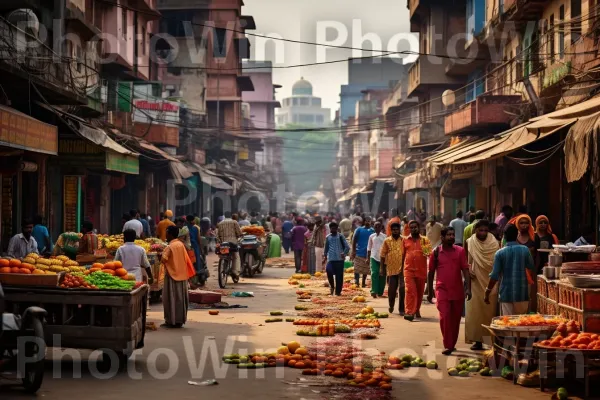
point(106, 281)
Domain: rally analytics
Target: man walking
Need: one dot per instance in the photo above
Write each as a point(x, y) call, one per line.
point(505, 215)
point(373, 253)
point(360, 241)
point(395, 219)
point(433, 231)
point(391, 264)
point(459, 225)
point(448, 264)
point(318, 238)
point(336, 249)
point(510, 265)
point(133, 258)
point(416, 249)
point(346, 226)
point(286, 230)
point(297, 233)
point(468, 232)
point(229, 231)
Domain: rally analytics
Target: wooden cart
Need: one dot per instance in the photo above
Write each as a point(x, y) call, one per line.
point(515, 344)
point(87, 319)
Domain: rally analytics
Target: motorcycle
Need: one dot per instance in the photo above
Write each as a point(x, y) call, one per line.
point(22, 345)
point(251, 257)
point(226, 252)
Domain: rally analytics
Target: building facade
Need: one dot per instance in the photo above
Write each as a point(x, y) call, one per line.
point(302, 108)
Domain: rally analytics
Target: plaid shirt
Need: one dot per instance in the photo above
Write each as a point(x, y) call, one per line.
point(335, 246)
point(228, 230)
point(510, 264)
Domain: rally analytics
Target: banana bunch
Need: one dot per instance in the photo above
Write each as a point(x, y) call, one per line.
point(58, 268)
point(42, 267)
point(43, 261)
point(56, 261)
point(70, 263)
point(75, 269)
point(63, 258)
point(143, 244)
point(29, 260)
point(35, 256)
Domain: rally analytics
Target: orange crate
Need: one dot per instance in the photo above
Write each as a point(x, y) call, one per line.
point(552, 291)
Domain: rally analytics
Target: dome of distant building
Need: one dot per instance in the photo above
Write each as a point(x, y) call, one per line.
point(302, 88)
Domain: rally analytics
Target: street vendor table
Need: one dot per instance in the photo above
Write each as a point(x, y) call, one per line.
point(585, 361)
point(515, 344)
point(86, 319)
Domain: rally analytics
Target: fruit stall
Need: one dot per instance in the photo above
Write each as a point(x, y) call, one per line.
point(99, 306)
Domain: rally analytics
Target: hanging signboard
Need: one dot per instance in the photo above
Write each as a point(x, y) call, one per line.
point(156, 111)
point(465, 171)
point(122, 163)
point(71, 203)
point(21, 131)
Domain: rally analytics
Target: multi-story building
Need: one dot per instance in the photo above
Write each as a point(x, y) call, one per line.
point(302, 108)
point(262, 104)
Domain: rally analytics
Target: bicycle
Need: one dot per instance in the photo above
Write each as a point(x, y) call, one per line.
point(226, 252)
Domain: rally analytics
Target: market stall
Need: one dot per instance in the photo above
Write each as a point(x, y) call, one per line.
point(98, 306)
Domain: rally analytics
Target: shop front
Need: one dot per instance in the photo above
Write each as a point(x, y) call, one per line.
point(92, 179)
point(25, 145)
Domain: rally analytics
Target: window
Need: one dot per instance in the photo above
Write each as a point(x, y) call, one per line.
point(320, 119)
point(304, 101)
point(576, 26)
point(307, 119)
point(561, 32)
point(219, 42)
point(295, 119)
point(316, 102)
point(295, 101)
point(124, 22)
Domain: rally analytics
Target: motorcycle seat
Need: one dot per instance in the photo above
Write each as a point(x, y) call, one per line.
point(11, 322)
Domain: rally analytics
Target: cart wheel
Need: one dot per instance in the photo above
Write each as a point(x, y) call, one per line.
point(249, 265)
point(34, 371)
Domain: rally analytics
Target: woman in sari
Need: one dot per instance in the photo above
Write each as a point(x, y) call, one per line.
point(309, 255)
point(544, 239)
point(178, 269)
point(481, 249)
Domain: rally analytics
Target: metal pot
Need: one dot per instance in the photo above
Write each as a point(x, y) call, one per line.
point(555, 260)
point(549, 272)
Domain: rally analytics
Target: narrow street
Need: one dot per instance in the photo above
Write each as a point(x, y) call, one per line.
point(173, 357)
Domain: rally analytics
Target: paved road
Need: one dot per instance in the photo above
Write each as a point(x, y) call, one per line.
point(173, 357)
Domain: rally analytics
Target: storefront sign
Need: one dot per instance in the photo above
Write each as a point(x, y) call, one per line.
point(158, 111)
point(24, 132)
point(122, 163)
point(464, 171)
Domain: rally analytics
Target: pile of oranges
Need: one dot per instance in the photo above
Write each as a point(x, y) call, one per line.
point(575, 341)
point(15, 266)
point(114, 268)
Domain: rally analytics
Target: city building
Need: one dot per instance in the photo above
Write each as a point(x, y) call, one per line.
point(302, 108)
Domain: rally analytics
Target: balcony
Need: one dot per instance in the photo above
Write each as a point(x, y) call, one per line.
point(426, 132)
point(521, 11)
point(35, 62)
point(427, 71)
point(484, 112)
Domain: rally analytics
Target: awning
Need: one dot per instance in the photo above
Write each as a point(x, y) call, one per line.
point(100, 137)
point(583, 138)
point(208, 177)
point(349, 195)
point(415, 181)
point(179, 171)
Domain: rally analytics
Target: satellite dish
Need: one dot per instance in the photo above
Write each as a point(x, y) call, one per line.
point(26, 20)
point(448, 97)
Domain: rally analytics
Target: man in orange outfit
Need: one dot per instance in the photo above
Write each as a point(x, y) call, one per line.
point(415, 270)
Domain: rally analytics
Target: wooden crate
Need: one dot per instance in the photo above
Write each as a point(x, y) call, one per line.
point(552, 291)
point(542, 287)
point(27, 280)
point(541, 304)
point(570, 296)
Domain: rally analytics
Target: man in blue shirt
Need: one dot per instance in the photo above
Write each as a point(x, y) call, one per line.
point(41, 235)
point(286, 231)
point(512, 265)
point(459, 225)
point(336, 249)
point(360, 242)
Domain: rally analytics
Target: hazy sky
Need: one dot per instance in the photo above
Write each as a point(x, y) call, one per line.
point(300, 19)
